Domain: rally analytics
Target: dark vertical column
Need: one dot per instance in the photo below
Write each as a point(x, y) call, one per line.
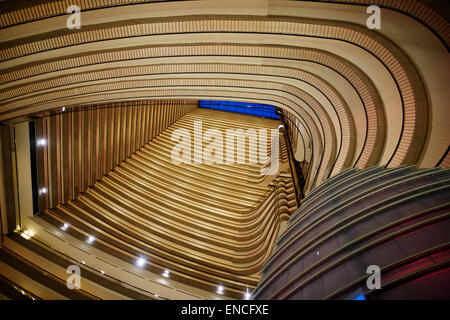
point(85, 149)
point(66, 174)
point(33, 165)
point(103, 142)
point(147, 123)
point(9, 205)
point(143, 122)
point(77, 153)
point(152, 121)
point(41, 162)
point(171, 116)
point(95, 130)
point(112, 129)
point(123, 132)
point(139, 125)
point(160, 118)
point(127, 146)
point(165, 115)
point(133, 128)
point(53, 161)
point(118, 129)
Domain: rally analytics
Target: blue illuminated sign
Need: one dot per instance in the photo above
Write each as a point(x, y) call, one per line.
point(254, 109)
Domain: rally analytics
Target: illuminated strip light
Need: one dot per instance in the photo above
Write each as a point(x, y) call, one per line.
point(141, 262)
point(247, 295)
point(220, 289)
point(27, 234)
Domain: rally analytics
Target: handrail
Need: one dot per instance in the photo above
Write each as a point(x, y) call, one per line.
point(298, 173)
point(296, 169)
point(310, 162)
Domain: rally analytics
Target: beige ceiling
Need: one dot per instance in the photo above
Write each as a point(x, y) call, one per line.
point(364, 97)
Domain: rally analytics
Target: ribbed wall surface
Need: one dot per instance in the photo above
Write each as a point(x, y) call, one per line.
point(397, 219)
point(209, 224)
point(83, 145)
point(362, 97)
point(412, 99)
point(40, 10)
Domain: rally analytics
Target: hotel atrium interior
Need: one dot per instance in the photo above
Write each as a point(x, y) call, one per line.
point(224, 150)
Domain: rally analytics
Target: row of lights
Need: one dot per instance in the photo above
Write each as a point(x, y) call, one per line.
point(89, 240)
point(24, 293)
point(84, 262)
point(141, 261)
point(220, 290)
point(42, 142)
point(28, 234)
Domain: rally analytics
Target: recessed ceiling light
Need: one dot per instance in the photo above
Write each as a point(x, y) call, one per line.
point(65, 226)
point(166, 273)
point(43, 191)
point(247, 295)
point(90, 239)
point(220, 289)
point(141, 262)
point(27, 234)
point(41, 142)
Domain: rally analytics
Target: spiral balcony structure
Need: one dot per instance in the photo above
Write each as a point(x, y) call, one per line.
point(87, 114)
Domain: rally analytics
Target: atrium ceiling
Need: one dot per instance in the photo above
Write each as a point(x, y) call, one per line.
point(360, 96)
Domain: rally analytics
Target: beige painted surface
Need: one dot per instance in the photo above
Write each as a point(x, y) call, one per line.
point(113, 266)
point(22, 138)
point(29, 284)
point(60, 272)
point(427, 52)
point(393, 27)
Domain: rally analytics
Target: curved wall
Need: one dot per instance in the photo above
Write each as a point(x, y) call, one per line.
point(369, 96)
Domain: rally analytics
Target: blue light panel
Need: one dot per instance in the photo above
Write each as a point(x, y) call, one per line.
point(360, 297)
point(357, 295)
point(253, 109)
